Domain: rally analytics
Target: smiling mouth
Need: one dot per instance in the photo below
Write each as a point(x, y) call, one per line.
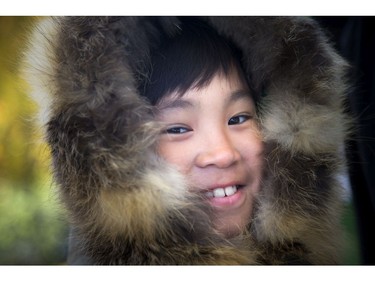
point(223, 192)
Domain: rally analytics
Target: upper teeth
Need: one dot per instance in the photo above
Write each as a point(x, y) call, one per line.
point(222, 192)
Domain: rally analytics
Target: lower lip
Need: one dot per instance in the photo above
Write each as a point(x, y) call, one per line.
point(232, 201)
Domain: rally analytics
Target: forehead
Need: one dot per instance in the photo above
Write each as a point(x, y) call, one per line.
point(221, 92)
point(228, 87)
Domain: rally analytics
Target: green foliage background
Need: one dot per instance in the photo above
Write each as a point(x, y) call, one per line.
point(32, 227)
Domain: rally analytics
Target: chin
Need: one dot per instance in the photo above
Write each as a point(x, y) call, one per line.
point(231, 227)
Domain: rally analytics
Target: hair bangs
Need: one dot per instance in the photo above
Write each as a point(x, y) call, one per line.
point(189, 60)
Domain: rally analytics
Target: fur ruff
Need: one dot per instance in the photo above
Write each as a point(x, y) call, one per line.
point(126, 204)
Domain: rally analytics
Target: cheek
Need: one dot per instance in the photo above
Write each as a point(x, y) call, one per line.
point(176, 155)
point(252, 153)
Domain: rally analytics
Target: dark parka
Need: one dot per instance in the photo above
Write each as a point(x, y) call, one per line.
point(126, 205)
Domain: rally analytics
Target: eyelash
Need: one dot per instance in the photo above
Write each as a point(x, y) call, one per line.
point(235, 120)
point(177, 130)
point(244, 117)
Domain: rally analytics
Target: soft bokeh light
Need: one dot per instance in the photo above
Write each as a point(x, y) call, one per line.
point(32, 227)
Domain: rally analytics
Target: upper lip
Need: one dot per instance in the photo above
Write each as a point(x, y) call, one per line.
point(212, 187)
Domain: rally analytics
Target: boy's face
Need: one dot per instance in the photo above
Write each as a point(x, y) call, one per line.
point(213, 139)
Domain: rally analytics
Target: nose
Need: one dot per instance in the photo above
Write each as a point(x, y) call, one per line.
point(217, 150)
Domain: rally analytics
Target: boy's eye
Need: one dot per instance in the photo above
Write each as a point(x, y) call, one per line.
point(239, 119)
point(177, 130)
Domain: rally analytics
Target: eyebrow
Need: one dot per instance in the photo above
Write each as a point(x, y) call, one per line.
point(238, 95)
point(176, 103)
point(181, 103)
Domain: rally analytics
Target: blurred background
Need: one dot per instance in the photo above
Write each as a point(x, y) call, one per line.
point(32, 225)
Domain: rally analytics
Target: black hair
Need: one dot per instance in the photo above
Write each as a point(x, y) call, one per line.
point(189, 59)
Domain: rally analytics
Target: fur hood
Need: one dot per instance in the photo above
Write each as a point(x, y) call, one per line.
point(129, 207)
